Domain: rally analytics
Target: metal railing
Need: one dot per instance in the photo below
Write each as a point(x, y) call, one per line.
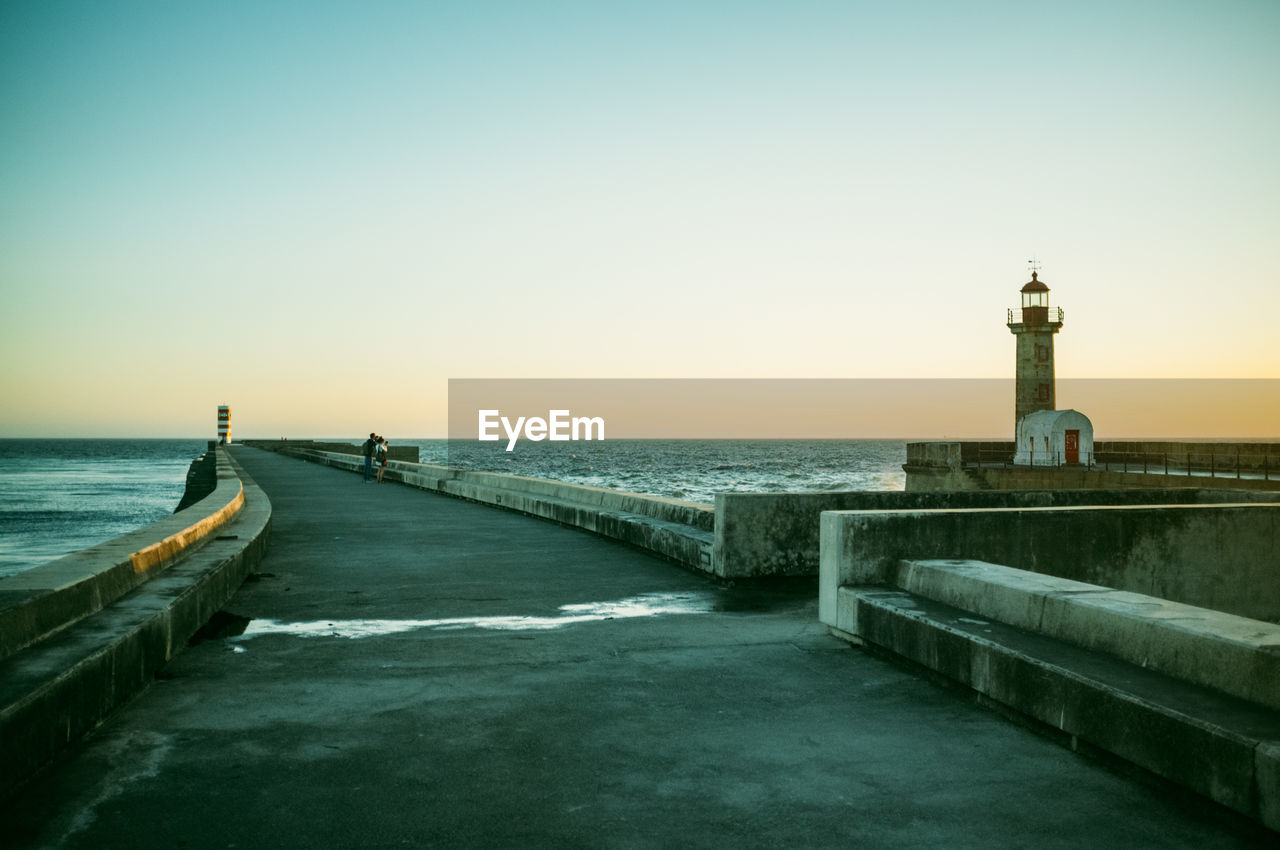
point(1049, 315)
point(1255, 466)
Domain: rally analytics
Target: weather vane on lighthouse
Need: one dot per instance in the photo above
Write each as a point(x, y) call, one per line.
point(1034, 265)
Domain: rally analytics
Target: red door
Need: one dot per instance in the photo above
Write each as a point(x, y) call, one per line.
point(1073, 447)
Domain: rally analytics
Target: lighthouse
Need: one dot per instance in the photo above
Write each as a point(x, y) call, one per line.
point(224, 423)
point(1034, 325)
point(1043, 435)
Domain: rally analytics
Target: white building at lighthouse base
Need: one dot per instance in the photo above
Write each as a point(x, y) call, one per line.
point(1054, 438)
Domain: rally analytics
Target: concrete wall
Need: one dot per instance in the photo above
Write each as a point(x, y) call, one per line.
point(60, 684)
point(778, 533)
point(1070, 478)
point(674, 529)
point(1222, 557)
point(1253, 455)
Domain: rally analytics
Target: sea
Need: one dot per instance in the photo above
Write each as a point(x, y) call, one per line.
point(693, 470)
point(60, 496)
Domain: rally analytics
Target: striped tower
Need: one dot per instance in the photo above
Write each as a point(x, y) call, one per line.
point(224, 424)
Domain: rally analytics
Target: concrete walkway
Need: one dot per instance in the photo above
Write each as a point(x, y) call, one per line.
point(420, 671)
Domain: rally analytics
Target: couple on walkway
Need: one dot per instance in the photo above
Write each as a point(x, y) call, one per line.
point(376, 450)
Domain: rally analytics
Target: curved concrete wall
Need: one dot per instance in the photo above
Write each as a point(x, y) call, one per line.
point(52, 596)
point(84, 634)
point(668, 510)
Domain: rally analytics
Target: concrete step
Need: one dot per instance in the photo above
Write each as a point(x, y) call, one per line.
point(1220, 746)
point(58, 688)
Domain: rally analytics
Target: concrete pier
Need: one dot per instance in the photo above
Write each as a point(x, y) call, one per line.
point(417, 670)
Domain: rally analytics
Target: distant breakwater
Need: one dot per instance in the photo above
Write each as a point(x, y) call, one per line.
point(202, 478)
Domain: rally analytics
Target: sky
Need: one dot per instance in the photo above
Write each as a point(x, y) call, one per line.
point(319, 213)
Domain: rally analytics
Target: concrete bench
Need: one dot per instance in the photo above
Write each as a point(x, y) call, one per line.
point(1189, 694)
point(1222, 747)
point(1235, 655)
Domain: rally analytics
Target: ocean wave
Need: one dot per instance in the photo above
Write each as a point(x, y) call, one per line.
point(698, 469)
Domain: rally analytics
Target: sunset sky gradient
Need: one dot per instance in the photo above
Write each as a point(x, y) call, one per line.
point(318, 213)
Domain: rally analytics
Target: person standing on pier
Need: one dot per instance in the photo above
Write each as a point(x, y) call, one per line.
point(384, 451)
point(369, 446)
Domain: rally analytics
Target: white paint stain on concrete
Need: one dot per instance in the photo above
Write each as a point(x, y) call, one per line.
point(645, 605)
